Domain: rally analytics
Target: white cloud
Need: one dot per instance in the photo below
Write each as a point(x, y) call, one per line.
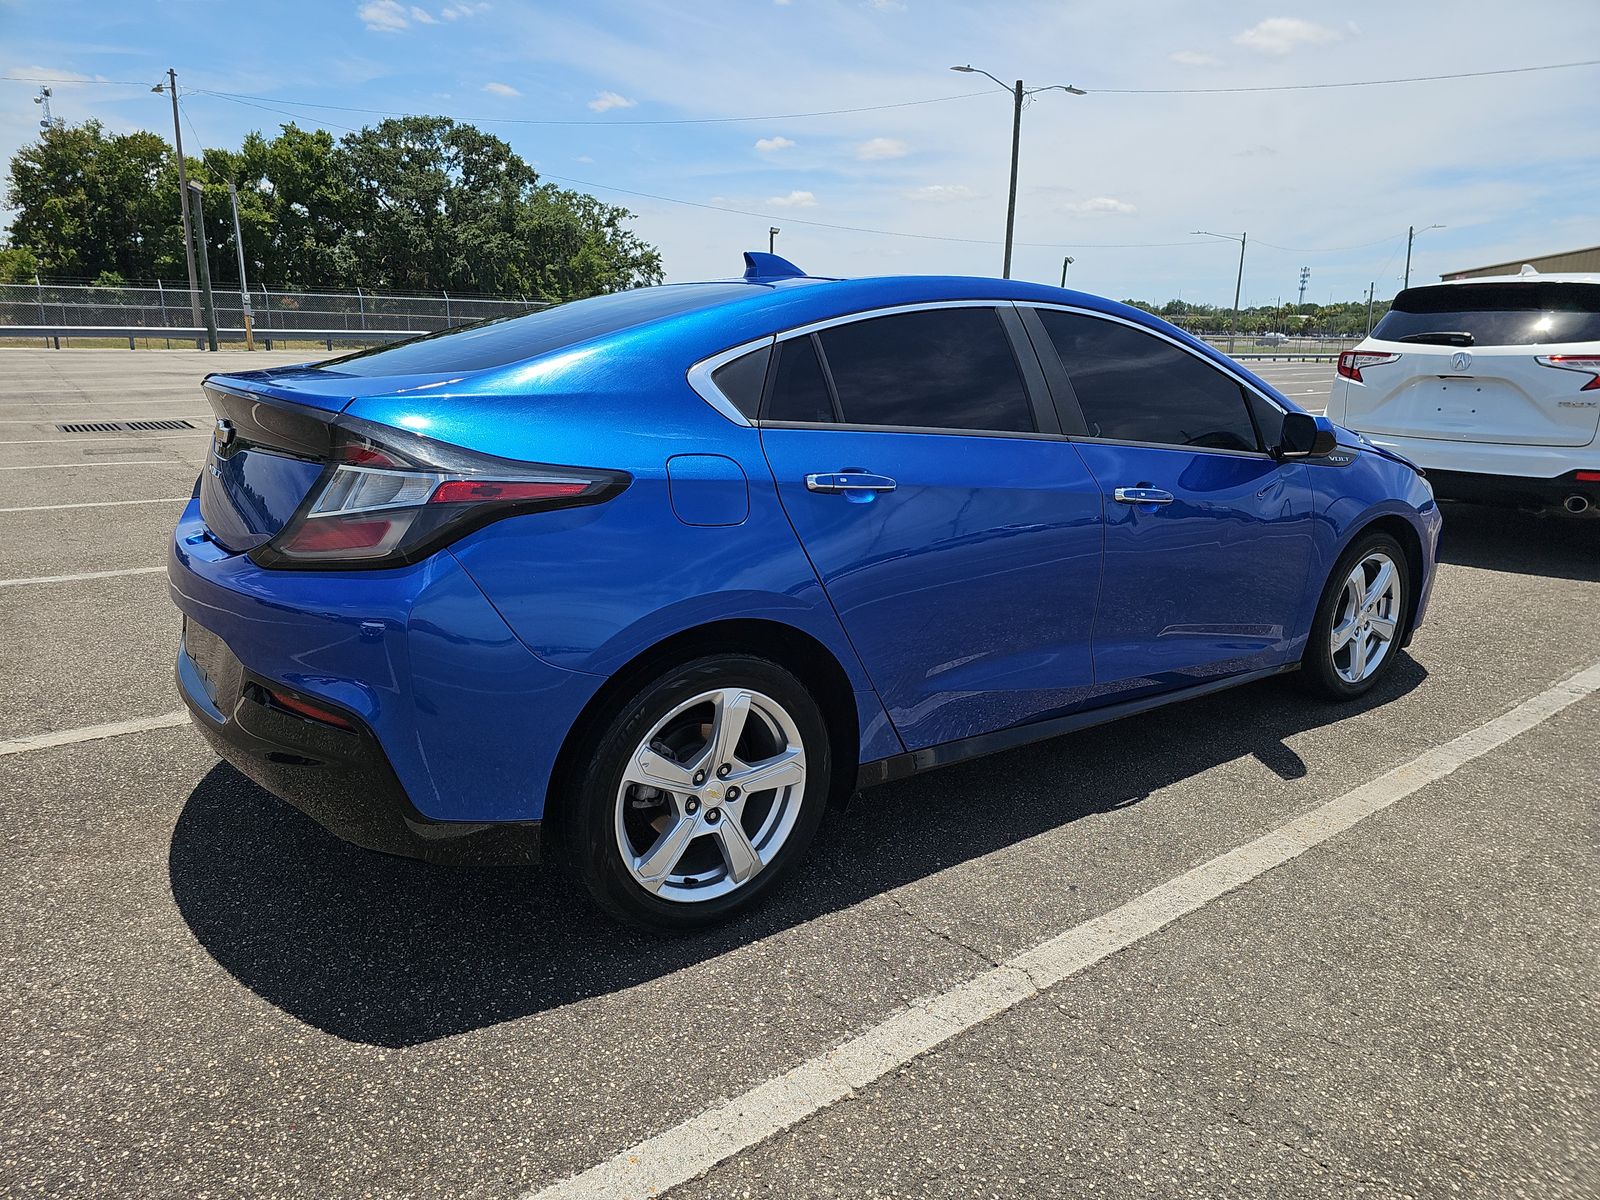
point(877, 148)
point(1193, 58)
point(1280, 35)
point(384, 16)
point(767, 145)
point(423, 17)
point(501, 89)
point(1102, 204)
point(455, 12)
point(793, 200)
point(583, 158)
point(606, 101)
point(939, 192)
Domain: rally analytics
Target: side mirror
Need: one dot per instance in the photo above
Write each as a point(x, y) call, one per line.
point(1305, 436)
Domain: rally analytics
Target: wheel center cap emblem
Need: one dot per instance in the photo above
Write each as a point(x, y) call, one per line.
point(714, 792)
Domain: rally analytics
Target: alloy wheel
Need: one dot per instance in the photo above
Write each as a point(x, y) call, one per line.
point(710, 795)
point(1367, 618)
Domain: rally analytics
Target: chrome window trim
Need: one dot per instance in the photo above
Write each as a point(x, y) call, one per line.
point(1225, 369)
point(699, 377)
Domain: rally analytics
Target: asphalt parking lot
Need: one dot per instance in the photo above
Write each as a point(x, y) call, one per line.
point(205, 994)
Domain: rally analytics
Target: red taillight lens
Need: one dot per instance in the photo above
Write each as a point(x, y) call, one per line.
point(469, 491)
point(1351, 362)
point(383, 507)
point(1589, 476)
point(309, 711)
point(1587, 363)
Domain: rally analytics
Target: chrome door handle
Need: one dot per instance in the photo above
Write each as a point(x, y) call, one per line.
point(1142, 495)
point(848, 481)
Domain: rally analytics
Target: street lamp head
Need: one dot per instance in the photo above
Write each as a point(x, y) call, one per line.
point(967, 70)
point(1075, 91)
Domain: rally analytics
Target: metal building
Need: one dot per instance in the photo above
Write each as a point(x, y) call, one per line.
point(1569, 260)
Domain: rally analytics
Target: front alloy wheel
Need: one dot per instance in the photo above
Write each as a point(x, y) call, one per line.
point(698, 793)
point(1360, 621)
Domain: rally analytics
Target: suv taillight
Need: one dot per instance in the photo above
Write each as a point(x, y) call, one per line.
point(1352, 361)
point(378, 505)
point(1587, 363)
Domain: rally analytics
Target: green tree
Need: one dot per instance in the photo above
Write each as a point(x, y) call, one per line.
point(88, 202)
point(18, 264)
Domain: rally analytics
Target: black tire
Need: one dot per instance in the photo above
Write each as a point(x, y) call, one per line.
point(1318, 670)
point(587, 830)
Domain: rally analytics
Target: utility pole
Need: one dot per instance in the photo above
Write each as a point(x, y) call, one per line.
point(1305, 278)
point(205, 265)
point(1065, 263)
point(1370, 288)
point(171, 87)
point(1238, 286)
point(772, 239)
point(244, 287)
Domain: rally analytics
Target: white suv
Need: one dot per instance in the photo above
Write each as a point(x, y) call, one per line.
point(1491, 385)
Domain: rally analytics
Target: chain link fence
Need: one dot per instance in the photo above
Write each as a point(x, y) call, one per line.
point(272, 312)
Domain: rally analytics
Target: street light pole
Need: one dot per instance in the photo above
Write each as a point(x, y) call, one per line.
point(1411, 236)
point(772, 239)
point(1065, 263)
point(244, 287)
point(171, 86)
point(1238, 283)
point(1018, 95)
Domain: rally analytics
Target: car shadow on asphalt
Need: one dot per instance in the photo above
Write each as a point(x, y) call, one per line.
point(1498, 539)
point(391, 952)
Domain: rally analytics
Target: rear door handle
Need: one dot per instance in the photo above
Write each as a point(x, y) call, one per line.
point(1142, 495)
point(848, 481)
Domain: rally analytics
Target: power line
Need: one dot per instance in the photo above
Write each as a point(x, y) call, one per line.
point(1331, 249)
point(928, 237)
point(1312, 87)
point(144, 83)
point(244, 98)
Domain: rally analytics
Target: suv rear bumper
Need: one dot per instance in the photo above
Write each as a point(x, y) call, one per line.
point(1518, 490)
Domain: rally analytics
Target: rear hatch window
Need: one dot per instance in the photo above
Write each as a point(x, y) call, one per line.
point(505, 340)
point(1493, 314)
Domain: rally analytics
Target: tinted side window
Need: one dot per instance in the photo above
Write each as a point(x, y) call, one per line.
point(742, 379)
point(948, 368)
point(799, 391)
point(1269, 419)
point(1133, 387)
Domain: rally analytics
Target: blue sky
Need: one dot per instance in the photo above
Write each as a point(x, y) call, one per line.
point(1329, 179)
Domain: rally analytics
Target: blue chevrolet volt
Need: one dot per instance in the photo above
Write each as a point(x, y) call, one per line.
point(641, 583)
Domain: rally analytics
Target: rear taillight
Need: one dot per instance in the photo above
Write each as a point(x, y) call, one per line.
point(1351, 362)
point(1589, 364)
point(378, 505)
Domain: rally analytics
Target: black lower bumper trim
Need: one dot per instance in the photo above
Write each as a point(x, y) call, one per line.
point(1517, 490)
point(340, 778)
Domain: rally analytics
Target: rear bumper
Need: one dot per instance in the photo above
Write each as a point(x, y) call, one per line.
point(340, 778)
point(1517, 490)
point(1437, 456)
point(456, 721)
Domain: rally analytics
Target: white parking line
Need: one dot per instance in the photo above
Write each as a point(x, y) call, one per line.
point(727, 1128)
point(94, 504)
point(187, 416)
point(78, 441)
point(90, 733)
point(121, 462)
point(4, 583)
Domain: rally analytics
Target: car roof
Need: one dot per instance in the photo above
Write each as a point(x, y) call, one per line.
point(1531, 277)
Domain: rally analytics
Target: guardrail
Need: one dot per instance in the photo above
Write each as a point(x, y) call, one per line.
point(52, 335)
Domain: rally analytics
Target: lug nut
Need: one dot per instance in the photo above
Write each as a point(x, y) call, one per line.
point(691, 806)
point(724, 771)
point(699, 778)
point(733, 793)
point(713, 815)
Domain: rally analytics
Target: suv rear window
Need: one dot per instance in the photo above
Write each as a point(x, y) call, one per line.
point(1494, 314)
point(503, 340)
